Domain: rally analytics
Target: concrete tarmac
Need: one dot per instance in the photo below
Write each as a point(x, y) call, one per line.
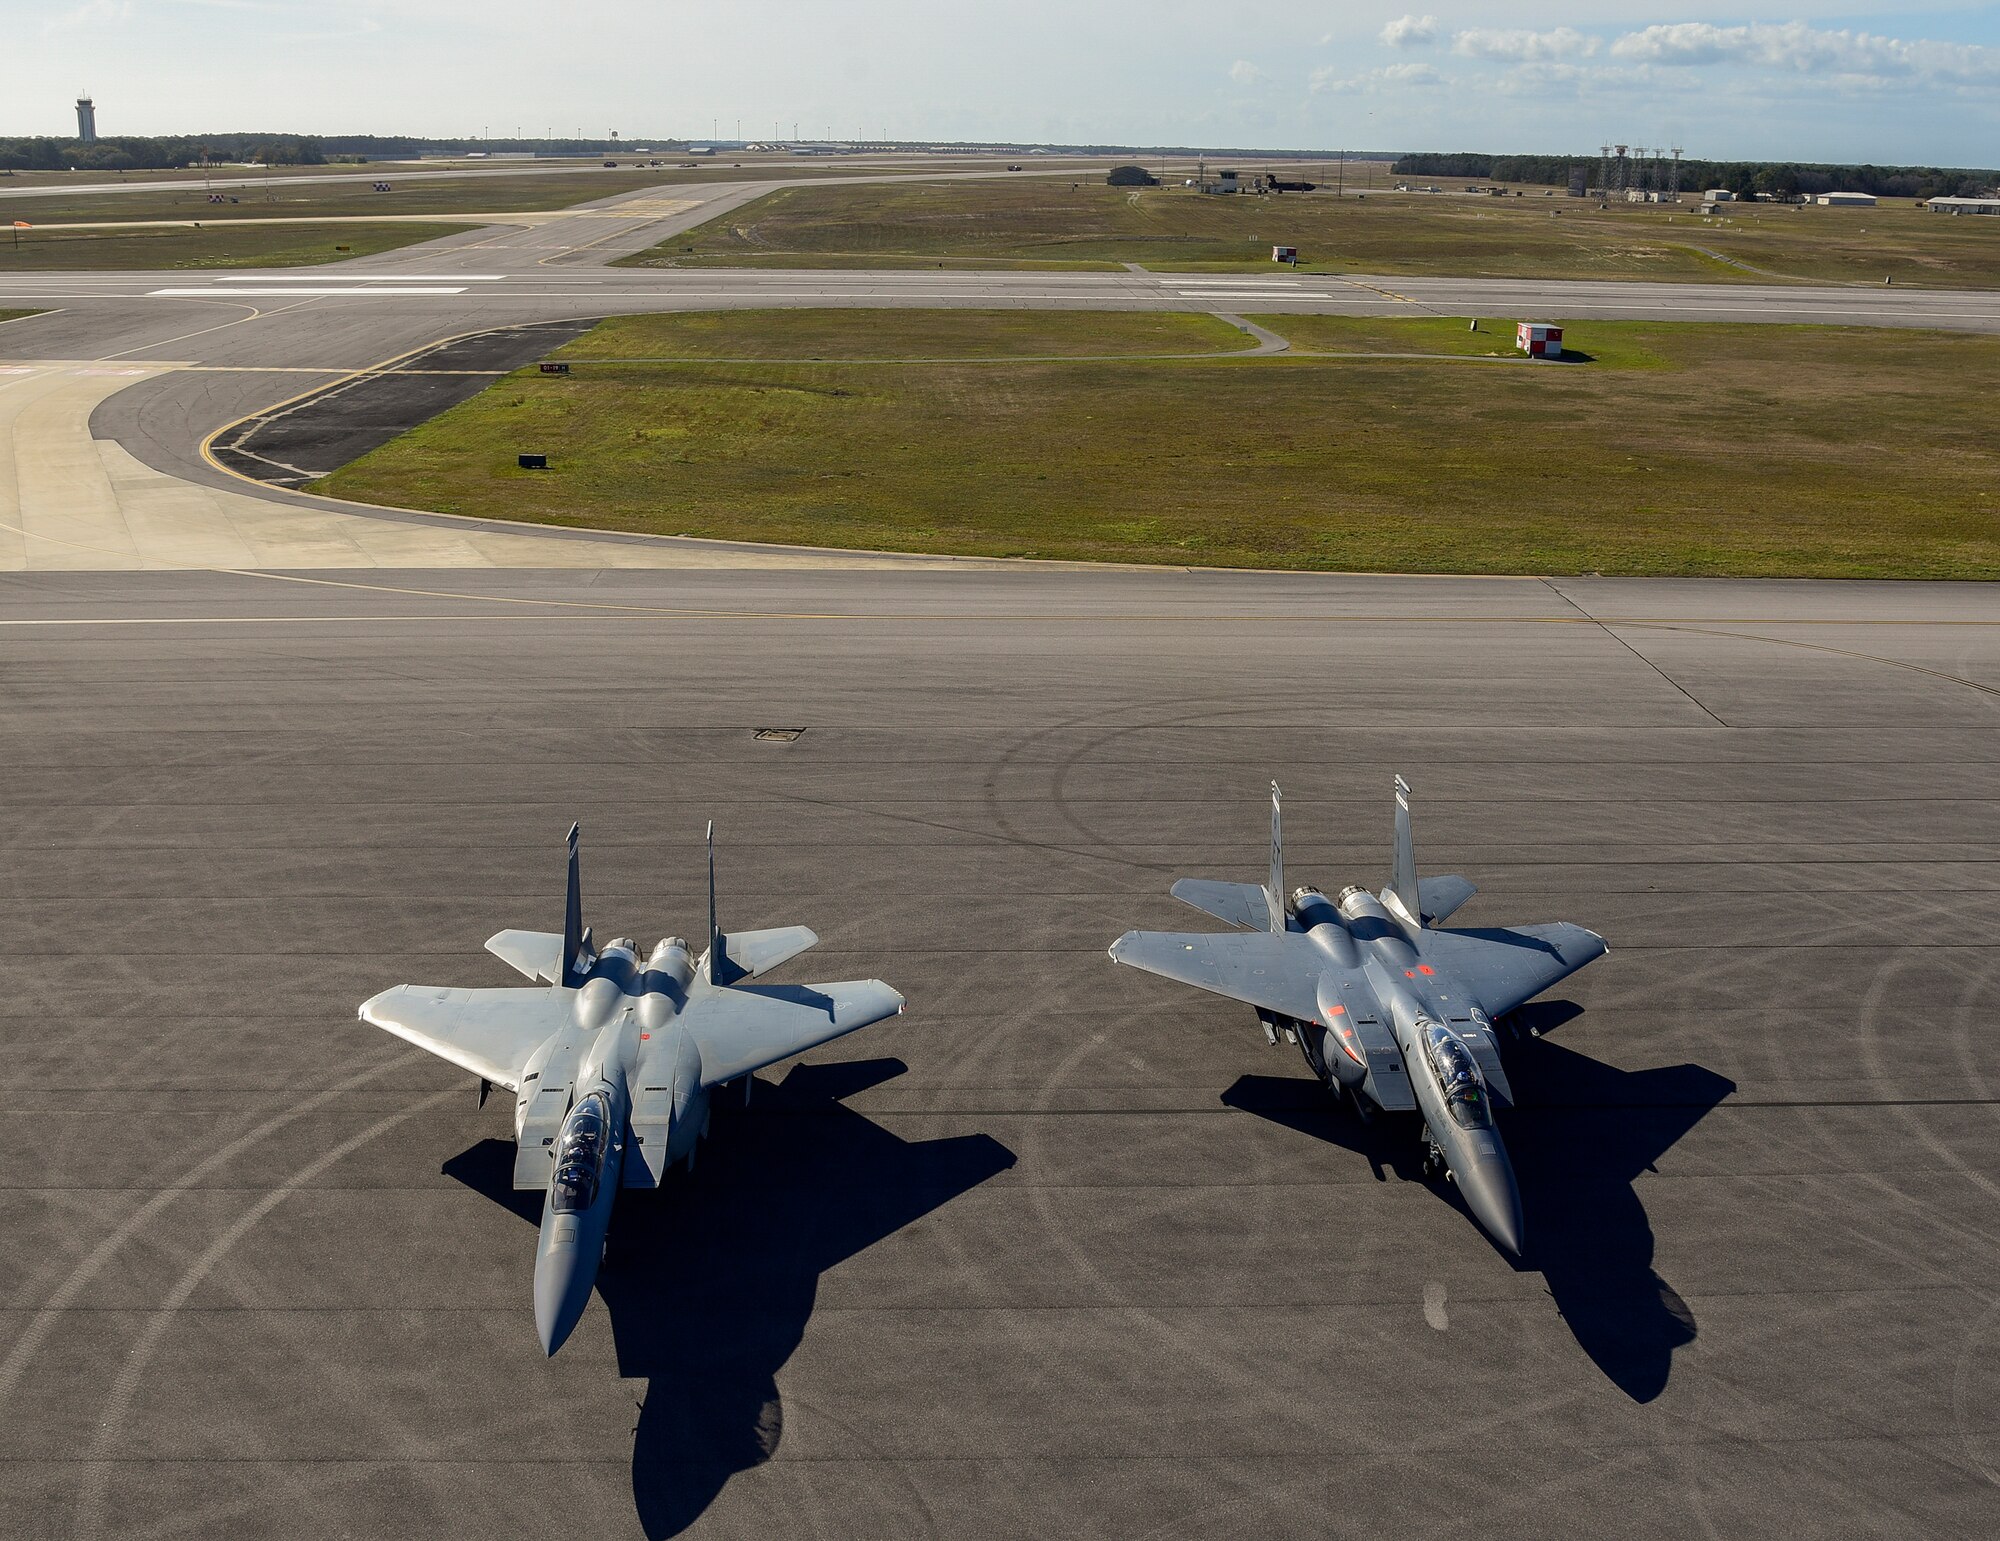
point(1064, 1249)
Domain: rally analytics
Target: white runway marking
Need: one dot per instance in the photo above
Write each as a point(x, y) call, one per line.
point(371, 289)
point(1434, 1311)
point(369, 278)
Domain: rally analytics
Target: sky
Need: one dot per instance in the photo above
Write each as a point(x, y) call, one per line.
point(1817, 82)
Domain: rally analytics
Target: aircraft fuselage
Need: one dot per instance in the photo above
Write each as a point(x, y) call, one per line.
point(1434, 1030)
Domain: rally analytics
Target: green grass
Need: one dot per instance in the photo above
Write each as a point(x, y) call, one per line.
point(16, 315)
point(1689, 449)
point(235, 245)
point(1055, 223)
point(483, 192)
point(832, 335)
point(1613, 344)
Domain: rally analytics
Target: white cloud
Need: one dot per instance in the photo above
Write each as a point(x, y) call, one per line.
point(1244, 73)
point(1411, 32)
point(1543, 79)
point(1411, 75)
point(1796, 47)
point(1328, 78)
point(1522, 46)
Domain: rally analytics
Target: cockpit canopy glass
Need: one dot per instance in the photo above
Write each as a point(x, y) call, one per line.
point(1458, 1078)
point(586, 1138)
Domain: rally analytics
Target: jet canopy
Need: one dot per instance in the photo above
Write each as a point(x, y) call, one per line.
point(586, 1139)
point(1458, 1078)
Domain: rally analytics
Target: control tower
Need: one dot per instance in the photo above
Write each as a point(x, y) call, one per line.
point(86, 120)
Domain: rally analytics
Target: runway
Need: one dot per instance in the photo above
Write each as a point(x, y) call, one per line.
point(1063, 1247)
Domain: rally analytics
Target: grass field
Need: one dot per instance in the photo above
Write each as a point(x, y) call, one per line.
point(1055, 223)
point(16, 315)
point(474, 193)
point(236, 244)
point(833, 336)
point(1692, 449)
point(491, 191)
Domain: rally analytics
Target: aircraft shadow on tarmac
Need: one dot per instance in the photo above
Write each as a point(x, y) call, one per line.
point(711, 1280)
point(1581, 1135)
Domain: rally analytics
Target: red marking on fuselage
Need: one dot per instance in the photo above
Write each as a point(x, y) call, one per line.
point(1425, 968)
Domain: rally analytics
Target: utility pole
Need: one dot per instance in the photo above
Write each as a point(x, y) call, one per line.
point(1340, 177)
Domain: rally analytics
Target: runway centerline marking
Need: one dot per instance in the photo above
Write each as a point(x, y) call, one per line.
point(364, 278)
point(324, 291)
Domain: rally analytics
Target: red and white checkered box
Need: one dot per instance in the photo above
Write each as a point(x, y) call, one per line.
point(1539, 341)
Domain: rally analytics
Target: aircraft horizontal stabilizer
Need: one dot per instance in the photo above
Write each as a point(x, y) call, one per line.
point(1241, 904)
point(1440, 897)
point(746, 954)
point(538, 954)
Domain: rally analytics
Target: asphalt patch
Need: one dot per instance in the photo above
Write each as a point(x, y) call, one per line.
point(303, 440)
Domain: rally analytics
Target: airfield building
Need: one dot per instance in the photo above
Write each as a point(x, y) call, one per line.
point(1846, 200)
point(1963, 205)
point(86, 120)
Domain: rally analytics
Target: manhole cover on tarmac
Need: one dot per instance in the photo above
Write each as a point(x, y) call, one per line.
point(779, 735)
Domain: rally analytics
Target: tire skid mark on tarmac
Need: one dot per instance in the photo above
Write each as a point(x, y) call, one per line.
point(1811, 647)
point(29, 1343)
point(96, 1467)
point(1961, 1393)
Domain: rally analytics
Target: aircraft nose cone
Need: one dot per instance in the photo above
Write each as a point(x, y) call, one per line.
point(562, 1290)
point(1487, 1181)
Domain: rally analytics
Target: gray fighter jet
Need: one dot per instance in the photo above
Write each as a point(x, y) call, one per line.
point(1387, 1009)
point(612, 1065)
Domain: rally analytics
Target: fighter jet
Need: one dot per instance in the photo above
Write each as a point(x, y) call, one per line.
point(1389, 1010)
point(612, 1065)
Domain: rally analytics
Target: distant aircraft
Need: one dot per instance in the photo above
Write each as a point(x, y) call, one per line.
point(1386, 1008)
point(612, 1065)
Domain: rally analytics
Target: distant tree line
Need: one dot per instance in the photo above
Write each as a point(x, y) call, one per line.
point(1781, 179)
point(123, 153)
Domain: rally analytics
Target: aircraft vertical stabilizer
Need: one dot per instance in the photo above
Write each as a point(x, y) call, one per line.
point(1403, 880)
point(573, 909)
point(714, 954)
point(1274, 896)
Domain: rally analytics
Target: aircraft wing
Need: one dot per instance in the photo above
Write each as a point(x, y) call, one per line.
point(1241, 904)
point(1507, 967)
point(488, 1032)
point(1277, 971)
point(745, 1028)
